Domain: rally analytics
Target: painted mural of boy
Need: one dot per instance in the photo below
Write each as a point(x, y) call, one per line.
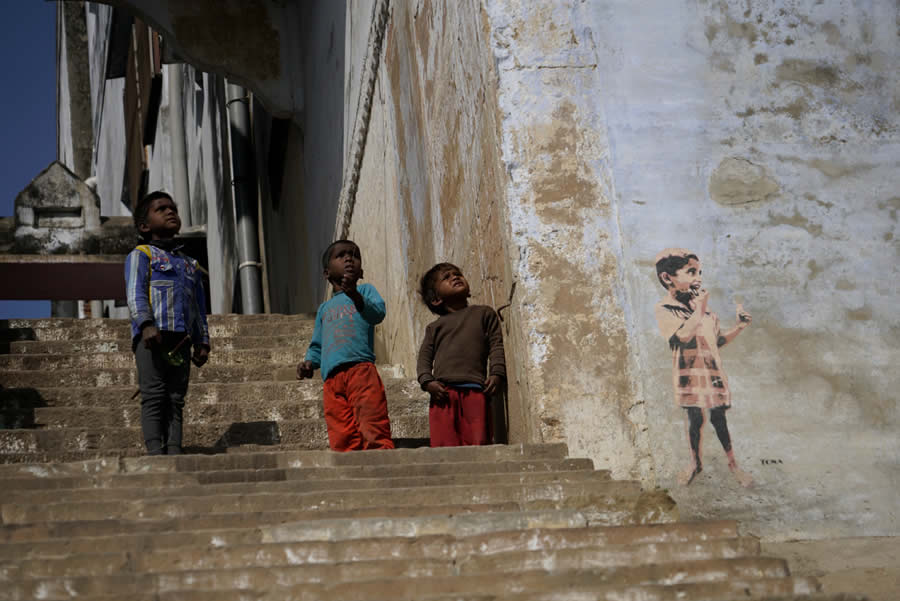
point(694, 335)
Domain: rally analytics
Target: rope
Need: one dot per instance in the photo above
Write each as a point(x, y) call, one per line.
point(350, 184)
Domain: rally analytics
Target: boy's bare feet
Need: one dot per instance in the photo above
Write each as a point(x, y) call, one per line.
point(687, 475)
point(743, 478)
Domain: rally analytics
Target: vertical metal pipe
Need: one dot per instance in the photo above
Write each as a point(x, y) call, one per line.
point(243, 168)
point(181, 191)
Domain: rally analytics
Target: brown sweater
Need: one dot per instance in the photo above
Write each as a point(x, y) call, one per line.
point(457, 347)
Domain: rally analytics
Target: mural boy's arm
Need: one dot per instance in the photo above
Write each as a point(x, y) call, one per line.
point(688, 329)
point(744, 320)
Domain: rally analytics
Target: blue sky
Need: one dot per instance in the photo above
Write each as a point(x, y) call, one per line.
point(27, 111)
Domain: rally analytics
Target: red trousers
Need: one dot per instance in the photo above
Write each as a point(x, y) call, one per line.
point(356, 409)
point(462, 421)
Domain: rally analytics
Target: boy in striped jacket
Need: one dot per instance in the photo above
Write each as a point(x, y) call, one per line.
point(167, 304)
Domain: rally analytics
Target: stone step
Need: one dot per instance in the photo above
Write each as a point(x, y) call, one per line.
point(199, 393)
point(474, 561)
point(263, 358)
point(251, 410)
point(313, 523)
point(545, 548)
point(731, 585)
point(717, 579)
point(52, 457)
point(48, 482)
point(278, 458)
point(606, 502)
point(435, 536)
point(737, 589)
point(88, 329)
point(290, 564)
point(127, 376)
point(91, 323)
point(644, 594)
point(123, 345)
point(288, 525)
point(310, 433)
point(184, 486)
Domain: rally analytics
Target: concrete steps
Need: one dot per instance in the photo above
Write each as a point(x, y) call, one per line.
point(123, 344)
point(206, 393)
point(127, 376)
point(307, 433)
point(516, 521)
point(261, 510)
point(257, 401)
point(67, 387)
point(286, 356)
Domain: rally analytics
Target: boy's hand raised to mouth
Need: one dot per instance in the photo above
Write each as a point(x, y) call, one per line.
point(700, 299)
point(348, 282)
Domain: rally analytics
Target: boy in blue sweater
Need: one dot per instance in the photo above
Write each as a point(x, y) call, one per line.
point(168, 314)
point(343, 346)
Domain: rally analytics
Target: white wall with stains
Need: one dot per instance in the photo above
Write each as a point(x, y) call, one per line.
point(764, 136)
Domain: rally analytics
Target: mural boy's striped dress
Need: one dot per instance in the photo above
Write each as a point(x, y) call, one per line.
point(697, 375)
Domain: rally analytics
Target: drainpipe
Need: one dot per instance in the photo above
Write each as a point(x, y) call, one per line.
point(181, 189)
point(243, 169)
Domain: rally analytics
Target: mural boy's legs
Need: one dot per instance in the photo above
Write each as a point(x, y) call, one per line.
point(695, 439)
point(717, 417)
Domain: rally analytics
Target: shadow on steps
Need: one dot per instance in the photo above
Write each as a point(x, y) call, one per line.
point(17, 407)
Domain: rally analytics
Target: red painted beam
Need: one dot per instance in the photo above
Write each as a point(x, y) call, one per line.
point(62, 277)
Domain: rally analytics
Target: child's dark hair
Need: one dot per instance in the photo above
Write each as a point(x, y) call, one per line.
point(671, 260)
point(427, 285)
point(143, 209)
point(326, 256)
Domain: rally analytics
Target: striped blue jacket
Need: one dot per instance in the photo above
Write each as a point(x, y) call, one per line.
point(165, 288)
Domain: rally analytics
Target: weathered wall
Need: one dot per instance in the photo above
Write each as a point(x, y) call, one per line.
point(571, 306)
point(765, 137)
point(558, 146)
point(299, 225)
point(431, 187)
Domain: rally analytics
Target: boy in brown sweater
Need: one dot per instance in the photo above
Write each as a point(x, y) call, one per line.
point(453, 358)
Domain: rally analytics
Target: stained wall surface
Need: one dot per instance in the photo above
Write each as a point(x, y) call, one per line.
point(552, 149)
point(432, 187)
point(299, 224)
point(763, 136)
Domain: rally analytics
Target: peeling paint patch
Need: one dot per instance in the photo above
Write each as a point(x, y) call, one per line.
point(560, 187)
point(738, 181)
point(796, 220)
point(807, 72)
point(861, 314)
point(845, 284)
point(892, 205)
point(814, 269)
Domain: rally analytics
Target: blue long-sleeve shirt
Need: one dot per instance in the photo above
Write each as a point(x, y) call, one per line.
point(344, 335)
point(165, 289)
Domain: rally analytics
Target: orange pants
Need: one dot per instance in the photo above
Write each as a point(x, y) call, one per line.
point(356, 409)
point(462, 421)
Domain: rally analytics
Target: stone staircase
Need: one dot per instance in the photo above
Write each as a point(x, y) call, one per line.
point(260, 511)
point(68, 387)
